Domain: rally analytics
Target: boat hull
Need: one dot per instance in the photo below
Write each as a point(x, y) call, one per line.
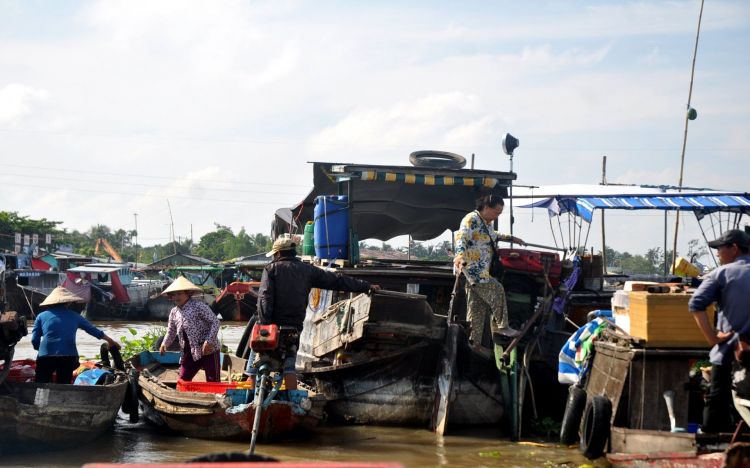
point(400, 389)
point(215, 416)
point(50, 416)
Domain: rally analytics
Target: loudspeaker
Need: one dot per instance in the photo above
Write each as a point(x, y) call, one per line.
point(509, 144)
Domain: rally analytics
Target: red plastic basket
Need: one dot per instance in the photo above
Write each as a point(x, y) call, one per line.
point(204, 387)
point(22, 370)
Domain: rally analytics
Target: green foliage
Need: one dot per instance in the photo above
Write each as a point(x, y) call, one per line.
point(11, 222)
point(132, 346)
point(223, 244)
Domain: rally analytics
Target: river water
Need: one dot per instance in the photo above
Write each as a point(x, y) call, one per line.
point(412, 447)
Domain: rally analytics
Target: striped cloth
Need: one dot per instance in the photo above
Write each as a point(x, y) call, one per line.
point(574, 356)
point(427, 179)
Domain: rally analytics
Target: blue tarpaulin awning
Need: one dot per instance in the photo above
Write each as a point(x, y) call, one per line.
point(700, 203)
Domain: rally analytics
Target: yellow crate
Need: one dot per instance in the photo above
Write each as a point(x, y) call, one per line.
point(663, 320)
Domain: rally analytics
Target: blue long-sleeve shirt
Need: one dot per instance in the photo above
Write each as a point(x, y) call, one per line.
point(55, 330)
point(729, 287)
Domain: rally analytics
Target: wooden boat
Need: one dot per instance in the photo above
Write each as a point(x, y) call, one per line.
point(210, 410)
point(388, 358)
point(111, 291)
point(26, 289)
point(36, 416)
point(238, 301)
point(388, 373)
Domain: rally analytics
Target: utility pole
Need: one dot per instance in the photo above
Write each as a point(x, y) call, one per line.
point(171, 227)
point(135, 215)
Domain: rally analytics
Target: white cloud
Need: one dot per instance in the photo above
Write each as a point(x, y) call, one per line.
point(18, 101)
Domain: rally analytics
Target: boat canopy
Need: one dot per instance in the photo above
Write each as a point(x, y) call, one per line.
point(94, 269)
point(583, 204)
point(389, 201)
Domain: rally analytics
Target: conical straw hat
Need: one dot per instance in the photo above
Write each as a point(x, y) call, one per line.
point(181, 284)
point(60, 295)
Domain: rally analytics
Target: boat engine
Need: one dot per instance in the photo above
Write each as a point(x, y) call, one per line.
point(12, 329)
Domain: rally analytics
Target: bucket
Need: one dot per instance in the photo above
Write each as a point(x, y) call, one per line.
point(683, 267)
point(308, 243)
point(331, 227)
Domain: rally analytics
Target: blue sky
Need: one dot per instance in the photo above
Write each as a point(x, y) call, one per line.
point(109, 108)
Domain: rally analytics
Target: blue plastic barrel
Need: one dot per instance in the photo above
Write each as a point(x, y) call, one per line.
point(331, 226)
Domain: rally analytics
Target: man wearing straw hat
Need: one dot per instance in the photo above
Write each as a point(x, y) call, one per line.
point(54, 336)
point(284, 289)
point(196, 326)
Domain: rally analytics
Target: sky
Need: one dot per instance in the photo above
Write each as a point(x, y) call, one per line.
point(211, 110)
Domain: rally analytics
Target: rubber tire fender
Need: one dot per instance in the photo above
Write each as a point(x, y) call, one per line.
point(130, 404)
point(571, 421)
point(243, 350)
point(595, 427)
point(117, 358)
point(437, 159)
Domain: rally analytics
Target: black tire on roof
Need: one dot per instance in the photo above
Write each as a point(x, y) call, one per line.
point(437, 159)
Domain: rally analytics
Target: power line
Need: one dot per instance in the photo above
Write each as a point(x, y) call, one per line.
point(148, 185)
point(160, 196)
point(120, 174)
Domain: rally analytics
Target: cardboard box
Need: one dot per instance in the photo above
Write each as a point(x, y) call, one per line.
point(663, 320)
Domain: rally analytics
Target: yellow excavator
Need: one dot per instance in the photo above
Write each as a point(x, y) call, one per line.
point(104, 243)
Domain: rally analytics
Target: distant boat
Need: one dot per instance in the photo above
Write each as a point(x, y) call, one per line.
point(111, 291)
point(238, 301)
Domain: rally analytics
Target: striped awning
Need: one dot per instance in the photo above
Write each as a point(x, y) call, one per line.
point(700, 203)
point(426, 179)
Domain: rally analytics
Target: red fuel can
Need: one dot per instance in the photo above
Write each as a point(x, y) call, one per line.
point(264, 337)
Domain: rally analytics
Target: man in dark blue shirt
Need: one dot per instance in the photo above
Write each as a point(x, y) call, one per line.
point(729, 287)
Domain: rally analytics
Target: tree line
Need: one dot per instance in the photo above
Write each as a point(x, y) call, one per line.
point(220, 244)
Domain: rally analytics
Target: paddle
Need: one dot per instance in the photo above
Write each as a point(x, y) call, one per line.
point(444, 384)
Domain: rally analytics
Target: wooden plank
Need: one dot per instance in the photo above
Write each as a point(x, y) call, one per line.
point(624, 440)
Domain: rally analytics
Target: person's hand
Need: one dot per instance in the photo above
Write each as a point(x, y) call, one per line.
point(723, 336)
point(162, 349)
point(458, 263)
point(112, 343)
point(207, 349)
point(373, 288)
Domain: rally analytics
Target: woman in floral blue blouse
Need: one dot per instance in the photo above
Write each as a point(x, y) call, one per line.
point(485, 296)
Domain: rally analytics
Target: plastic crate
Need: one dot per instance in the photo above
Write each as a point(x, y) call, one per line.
point(169, 357)
point(205, 387)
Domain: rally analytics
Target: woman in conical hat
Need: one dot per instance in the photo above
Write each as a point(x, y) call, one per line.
point(54, 336)
point(196, 327)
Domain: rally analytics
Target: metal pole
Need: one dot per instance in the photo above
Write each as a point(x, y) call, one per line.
point(666, 270)
point(604, 239)
point(511, 202)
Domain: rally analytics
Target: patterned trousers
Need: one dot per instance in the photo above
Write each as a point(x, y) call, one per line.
point(482, 300)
